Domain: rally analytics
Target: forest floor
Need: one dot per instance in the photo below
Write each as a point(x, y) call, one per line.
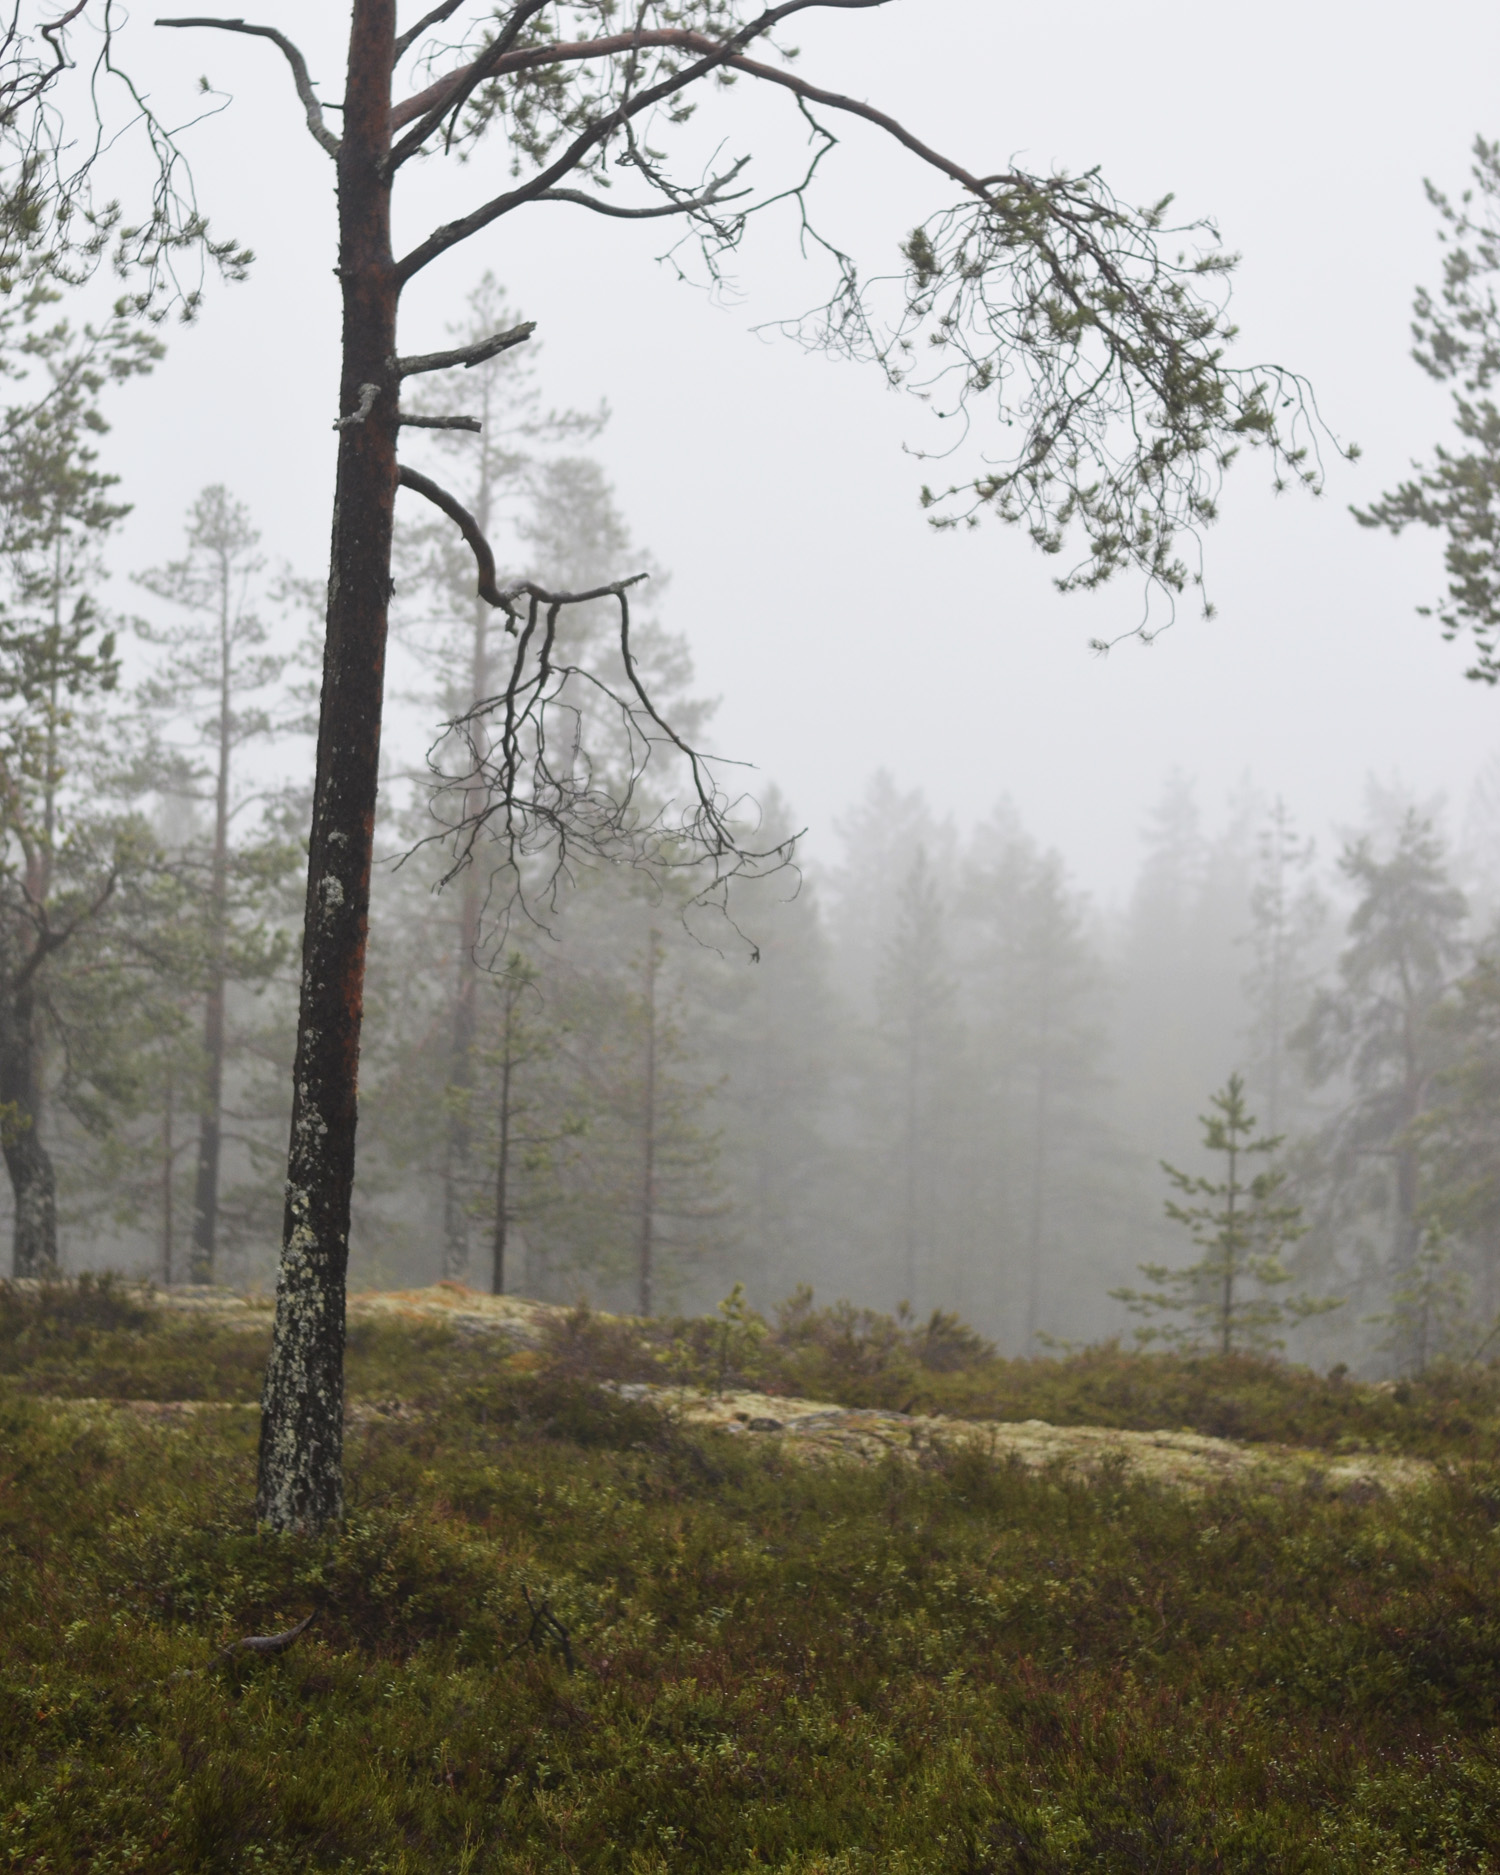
point(834, 1594)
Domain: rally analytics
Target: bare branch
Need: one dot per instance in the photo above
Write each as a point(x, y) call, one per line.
point(530, 780)
point(467, 526)
point(468, 355)
point(528, 589)
point(294, 58)
point(686, 205)
point(409, 38)
point(408, 421)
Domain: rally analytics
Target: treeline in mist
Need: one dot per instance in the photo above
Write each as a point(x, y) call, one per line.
point(930, 1075)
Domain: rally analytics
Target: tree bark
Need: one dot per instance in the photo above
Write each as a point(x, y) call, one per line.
point(301, 1440)
point(32, 1178)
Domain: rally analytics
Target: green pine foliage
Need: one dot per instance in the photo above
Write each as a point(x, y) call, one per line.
point(1232, 1296)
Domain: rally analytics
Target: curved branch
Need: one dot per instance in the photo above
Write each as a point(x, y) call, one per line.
point(434, 102)
point(689, 205)
point(715, 55)
point(294, 58)
point(484, 559)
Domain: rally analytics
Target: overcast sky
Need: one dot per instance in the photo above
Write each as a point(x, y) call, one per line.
point(839, 631)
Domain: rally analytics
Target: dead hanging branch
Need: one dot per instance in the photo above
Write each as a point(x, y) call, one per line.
point(573, 762)
point(556, 764)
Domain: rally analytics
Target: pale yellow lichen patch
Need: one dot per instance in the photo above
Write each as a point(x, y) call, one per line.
point(1189, 1460)
point(824, 1430)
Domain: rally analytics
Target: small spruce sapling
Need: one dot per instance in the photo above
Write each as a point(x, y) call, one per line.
point(1241, 1225)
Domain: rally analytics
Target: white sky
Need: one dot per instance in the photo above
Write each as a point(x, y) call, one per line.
point(839, 631)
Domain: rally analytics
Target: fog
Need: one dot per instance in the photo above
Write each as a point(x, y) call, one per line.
point(925, 705)
point(840, 633)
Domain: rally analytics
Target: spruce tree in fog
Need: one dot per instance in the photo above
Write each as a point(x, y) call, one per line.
point(1375, 1035)
point(915, 996)
point(217, 689)
point(1034, 975)
point(1287, 915)
point(1182, 995)
point(1233, 1297)
point(457, 633)
point(1459, 1134)
point(68, 861)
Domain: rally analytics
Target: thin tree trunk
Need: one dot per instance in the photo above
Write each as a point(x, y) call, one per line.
point(913, 1128)
point(460, 1092)
point(461, 1059)
point(206, 1185)
point(502, 1160)
point(647, 1254)
point(168, 1154)
point(301, 1439)
point(1041, 1146)
point(1231, 1254)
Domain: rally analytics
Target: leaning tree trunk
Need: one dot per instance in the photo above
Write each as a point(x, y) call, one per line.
point(301, 1438)
point(32, 1179)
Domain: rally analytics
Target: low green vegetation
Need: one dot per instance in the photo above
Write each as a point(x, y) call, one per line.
point(560, 1633)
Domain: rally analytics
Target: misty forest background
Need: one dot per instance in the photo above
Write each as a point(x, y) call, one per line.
point(922, 1067)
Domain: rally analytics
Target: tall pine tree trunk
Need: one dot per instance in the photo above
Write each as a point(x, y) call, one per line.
point(301, 1439)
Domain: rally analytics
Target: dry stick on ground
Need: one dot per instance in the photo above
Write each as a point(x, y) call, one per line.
point(1103, 350)
point(262, 1645)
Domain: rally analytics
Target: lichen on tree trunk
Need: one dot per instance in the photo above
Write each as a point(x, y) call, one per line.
point(301, 1445)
